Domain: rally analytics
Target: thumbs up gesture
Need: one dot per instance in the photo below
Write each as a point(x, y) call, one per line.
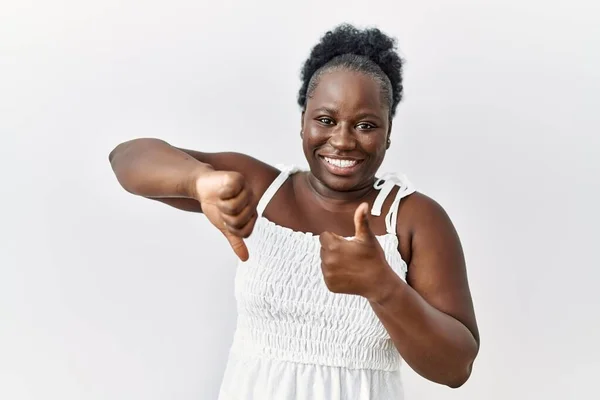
point(354, 266)
point(228, 203)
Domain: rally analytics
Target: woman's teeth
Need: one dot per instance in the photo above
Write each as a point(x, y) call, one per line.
point(341, 163)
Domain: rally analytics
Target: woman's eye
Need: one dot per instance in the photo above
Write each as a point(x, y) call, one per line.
point(365, 126)
point(326, 121)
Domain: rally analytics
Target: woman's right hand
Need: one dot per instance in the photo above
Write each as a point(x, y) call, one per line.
point(224, 186)
point(229, 204)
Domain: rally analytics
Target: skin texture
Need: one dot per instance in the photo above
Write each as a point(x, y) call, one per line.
point(429, 317)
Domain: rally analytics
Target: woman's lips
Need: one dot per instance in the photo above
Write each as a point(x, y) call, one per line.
point(341, 166)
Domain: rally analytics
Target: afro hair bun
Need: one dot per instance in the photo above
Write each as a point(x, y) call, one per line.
point(370, 43)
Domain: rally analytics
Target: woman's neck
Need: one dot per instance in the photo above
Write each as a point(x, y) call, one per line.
point(335, 200)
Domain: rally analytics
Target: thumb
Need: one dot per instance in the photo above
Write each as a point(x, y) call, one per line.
point(361, 223)
point(238, 245)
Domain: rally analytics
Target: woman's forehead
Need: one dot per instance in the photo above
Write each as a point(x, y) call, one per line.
point(342, 88)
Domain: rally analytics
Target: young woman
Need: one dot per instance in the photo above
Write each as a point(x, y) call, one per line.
point(343, 274)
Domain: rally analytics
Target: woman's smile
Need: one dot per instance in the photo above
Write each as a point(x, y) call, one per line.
point(341, 166)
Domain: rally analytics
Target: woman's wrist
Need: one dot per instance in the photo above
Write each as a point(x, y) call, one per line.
point(190, 184)
point(389, 284)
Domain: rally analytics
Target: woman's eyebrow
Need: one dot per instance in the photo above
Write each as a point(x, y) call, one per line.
point(326, 110)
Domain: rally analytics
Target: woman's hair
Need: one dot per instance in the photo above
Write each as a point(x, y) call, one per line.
point(368, 51)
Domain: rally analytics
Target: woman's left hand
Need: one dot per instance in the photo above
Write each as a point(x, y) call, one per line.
point(358, 265)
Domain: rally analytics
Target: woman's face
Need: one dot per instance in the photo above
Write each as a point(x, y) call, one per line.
point(345, 130)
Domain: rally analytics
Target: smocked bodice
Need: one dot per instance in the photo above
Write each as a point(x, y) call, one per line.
point(286, 312)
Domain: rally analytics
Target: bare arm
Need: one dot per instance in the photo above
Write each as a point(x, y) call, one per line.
point(154, 169)
point(431, 319)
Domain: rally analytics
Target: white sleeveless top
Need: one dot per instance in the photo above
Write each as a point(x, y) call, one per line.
point(296, 340)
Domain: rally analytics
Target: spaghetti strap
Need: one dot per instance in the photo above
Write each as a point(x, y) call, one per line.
point(286, 171)
point(385, 184)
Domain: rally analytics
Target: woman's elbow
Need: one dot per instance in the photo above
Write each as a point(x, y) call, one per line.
point(461, 378)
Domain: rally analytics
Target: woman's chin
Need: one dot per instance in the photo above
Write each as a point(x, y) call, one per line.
point(338, 183)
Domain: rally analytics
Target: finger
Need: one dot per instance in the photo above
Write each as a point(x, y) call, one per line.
point(241, 219)
point(328, 257)
point(361, 223)
point(246, 231)
point(330, 240)
point(236, 205)
point(325, 238)
point(238, 245)
point(232, 184)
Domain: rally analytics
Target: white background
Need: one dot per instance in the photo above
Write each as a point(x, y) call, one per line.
point(107, 296)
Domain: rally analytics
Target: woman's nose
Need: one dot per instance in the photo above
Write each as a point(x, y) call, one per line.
point(342, 138)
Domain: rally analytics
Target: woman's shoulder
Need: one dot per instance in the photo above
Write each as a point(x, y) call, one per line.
point(418, 209)
point(422, 218)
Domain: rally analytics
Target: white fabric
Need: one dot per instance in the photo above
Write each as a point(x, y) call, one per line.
point(274, 187)
point(385, 184)
point(296, 340)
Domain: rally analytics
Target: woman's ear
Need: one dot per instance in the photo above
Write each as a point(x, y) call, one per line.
point(302, 125)
point(388, 141)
